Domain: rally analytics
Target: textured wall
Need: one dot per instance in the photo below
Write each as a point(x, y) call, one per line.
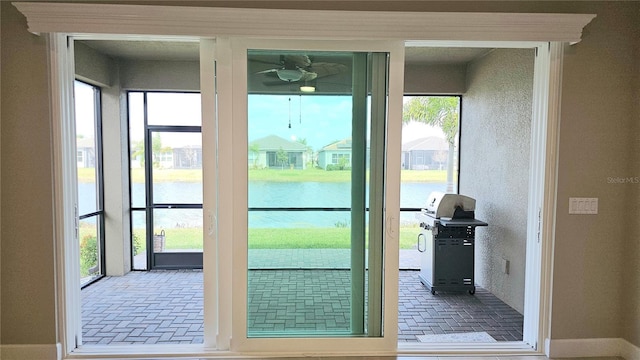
point(92, 66)
point(434, 79)
point(494, 153)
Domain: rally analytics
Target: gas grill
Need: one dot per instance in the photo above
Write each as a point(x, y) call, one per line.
point(446, 242)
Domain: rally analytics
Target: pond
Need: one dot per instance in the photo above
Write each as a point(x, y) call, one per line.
point(266, 194)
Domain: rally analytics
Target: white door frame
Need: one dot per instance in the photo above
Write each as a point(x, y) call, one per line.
point(62, 67)
point(60, 19)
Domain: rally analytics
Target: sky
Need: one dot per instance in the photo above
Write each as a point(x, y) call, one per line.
point(319, 119)
point(84, 110)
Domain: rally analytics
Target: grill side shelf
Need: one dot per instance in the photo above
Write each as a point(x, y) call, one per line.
point(462, 222)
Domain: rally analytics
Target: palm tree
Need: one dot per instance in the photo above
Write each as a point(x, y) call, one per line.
point(137, 152)
point(157, 149)
point(437, 111)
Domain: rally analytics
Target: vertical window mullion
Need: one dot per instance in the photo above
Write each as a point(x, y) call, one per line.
point(376, 192)
point(100, 177)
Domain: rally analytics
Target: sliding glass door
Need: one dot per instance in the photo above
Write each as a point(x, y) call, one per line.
point(311, 194)
point(314, 192)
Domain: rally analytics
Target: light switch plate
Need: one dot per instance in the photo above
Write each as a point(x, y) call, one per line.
point(583, 206)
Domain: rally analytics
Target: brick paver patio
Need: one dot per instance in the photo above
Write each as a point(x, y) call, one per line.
point(155, 307)
point(162, 307)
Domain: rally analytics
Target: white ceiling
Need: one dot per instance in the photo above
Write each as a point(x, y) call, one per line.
point(189, 51)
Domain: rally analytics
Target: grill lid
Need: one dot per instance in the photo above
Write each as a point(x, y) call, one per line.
point(450, 206)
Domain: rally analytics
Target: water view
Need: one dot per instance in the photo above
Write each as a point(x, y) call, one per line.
point(266, 194)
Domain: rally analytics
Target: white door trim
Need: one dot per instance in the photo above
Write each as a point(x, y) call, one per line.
point(209, 193)
point(547, 182)
point(309, 24)
point(62, 69)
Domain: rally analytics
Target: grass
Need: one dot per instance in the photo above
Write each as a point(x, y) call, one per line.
point(307, 175)
point(285, 175)
point(437, 176)
point(280, 238)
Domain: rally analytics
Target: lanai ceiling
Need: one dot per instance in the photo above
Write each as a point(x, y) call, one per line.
point(189, 51)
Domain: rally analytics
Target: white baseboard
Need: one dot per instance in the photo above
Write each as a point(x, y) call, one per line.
point(572, 348)
point(31, 351)
point(629, 351)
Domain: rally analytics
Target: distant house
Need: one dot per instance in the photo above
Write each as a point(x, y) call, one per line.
point(86, 152)
point(180, 157)
point(275, 152)
point(336, 153)
point(425, 153)
point(163, 159)
point(187, 157)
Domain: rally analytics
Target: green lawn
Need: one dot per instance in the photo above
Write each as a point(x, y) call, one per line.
point(307, 175)
point(288, 175)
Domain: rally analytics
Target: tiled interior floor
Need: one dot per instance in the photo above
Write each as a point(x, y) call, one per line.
point(166, 307)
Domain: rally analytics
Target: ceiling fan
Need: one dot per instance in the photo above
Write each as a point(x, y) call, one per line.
point(299, 69)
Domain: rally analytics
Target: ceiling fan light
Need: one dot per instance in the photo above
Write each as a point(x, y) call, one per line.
point(289, 74)
point(307, 88)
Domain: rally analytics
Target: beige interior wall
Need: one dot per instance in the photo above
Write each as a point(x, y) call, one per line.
point(494, 169)
point(631, 278)
point(598, 115)
point(631, 281)
point(0, 203)
point(28, 296)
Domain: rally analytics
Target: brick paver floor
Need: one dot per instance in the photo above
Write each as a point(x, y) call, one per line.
point(166, 307)
point(301, 301)
point(155, 307)
point(420, 313)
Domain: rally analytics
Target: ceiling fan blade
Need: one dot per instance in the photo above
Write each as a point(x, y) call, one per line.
point(299, 69)
point(279, 82)
point(323, 69)
point(308, 76)
point(267, 71)
point(299, 61)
